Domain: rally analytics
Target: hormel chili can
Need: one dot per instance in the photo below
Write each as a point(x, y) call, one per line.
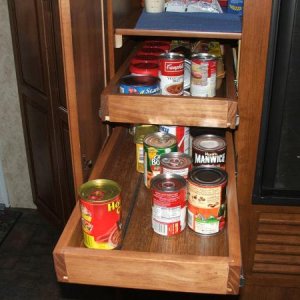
point(168, 204)
point(203, 75)
point(156, 144)
point(176, 163)
point(100, 205)
point(182, 135)
point(171, 73)
point(209, 149)
point(206, 199)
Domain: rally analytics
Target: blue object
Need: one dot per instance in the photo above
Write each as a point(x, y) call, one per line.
point(235, 7)
point(210, 22)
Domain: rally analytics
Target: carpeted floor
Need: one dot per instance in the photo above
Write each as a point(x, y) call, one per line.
point(8, 218)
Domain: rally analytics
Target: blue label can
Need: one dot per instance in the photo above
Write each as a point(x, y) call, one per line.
point(142, 85)
point(236, 7)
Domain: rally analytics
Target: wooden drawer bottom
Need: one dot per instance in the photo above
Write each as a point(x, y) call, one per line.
point(186, 262)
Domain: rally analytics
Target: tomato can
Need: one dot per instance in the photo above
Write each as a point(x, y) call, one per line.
point(150, 51)
point(156, 144)
point(203, 75)
point(176, 163)
point(206, 199)
point(150, 69)
point(144, 59)
point(182, 135)
point(164, 45)
point(209, 149)
point(133, 84)
point(168, 204)
point(171, 73)
point(100, 205)
point(139, 134)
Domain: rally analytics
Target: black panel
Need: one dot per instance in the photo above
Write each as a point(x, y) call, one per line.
point(278, 167)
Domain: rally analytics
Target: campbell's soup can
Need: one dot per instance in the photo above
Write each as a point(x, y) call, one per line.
point(171, 73)
point(156, 144)
point(100, 205)
point(168, 204)
point(182, 135)
point(206, 199)
point(209, 149)
point(203, 75)
point(142, 85)
point(176, 163)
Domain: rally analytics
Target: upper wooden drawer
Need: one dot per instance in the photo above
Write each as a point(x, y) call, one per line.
point(219, 111)
point(187, 262)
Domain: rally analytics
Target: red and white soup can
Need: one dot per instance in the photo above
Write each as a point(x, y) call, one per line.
point(203, 75)
point(171, 73)
point(168, 204)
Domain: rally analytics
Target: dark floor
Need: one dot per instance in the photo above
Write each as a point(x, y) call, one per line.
point(27, 272)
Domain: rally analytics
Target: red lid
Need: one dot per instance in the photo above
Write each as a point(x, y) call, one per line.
point(144, 59)
point(158, 44)
point(144, 69)
point(150, 51)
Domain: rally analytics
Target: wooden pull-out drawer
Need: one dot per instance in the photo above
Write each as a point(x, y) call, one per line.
point(186, 262)
point(219, 111)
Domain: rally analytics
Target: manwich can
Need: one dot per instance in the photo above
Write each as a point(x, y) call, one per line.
point(203, 75)
point(168, 204)
point(171, 73)
point(209, 149)
point(206, 199)
point(156, 144)
point(100, 204)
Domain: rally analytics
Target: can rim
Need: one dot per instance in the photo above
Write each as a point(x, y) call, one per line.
point(162, 136)
point(171, 55)
point(112, 189)
point(218, 176)
point(167, 156)
point(164, 183)
point(209, 137)
point(204, 56)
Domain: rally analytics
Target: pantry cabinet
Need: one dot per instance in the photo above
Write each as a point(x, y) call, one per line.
point(187, 262)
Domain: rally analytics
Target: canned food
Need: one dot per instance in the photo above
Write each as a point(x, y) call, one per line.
point(176, 163)
point(171, 73)
point(156, 144)
point(149, 69)
point(164, 45)
point(132, 84)
point(140, 132)
point(168, 204)
point(209, 149)
point(206, 199)
point(100, 204)
point(182, 135)
point(144, 59)
point(150, 51)
point(203, 75)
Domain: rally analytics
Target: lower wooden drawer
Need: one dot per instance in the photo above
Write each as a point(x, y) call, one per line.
point(187, 262)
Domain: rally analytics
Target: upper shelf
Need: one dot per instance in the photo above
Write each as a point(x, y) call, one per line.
point(198, 25)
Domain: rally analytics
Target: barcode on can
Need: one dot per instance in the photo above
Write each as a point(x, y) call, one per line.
point(166, 229)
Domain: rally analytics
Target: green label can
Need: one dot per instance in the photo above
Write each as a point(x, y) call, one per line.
point(156, 144)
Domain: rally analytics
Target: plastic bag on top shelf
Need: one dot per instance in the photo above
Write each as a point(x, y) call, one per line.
point(207, 6)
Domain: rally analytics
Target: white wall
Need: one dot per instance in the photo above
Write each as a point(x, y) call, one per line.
point(12, 146)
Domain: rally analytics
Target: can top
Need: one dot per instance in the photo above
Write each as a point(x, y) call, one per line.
point(99, 190)
point(206, 175)
point(171, 55)
point(209, 142)
point(167, 183)
point(175, 160)
point(160, 140)
point(144, 69)
point(203, 56)
point(135, 80)
point(142, 130)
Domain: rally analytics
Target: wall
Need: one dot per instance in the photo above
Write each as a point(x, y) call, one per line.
point(12, 146)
